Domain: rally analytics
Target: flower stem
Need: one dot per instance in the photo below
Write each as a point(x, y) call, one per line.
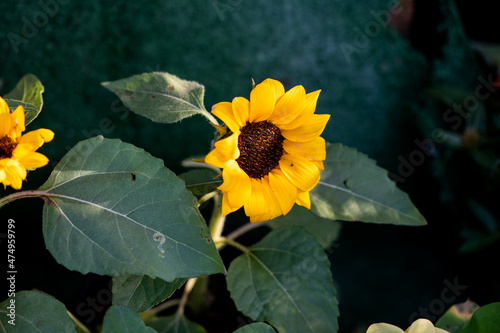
point(235, 244)
point(238, 232)
point(23, 194)
point(217, 220)
point(78, 324)
point(187, 290)
point(160, 307)
point(206, 197)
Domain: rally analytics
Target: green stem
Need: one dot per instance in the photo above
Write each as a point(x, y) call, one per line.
point(209, 116)
point(78, 323)
point(238, 232)
point(187, 290)
point(217, 220)
point(235, 244)
point(20, 195)
point(207, 197)
point(160, 307)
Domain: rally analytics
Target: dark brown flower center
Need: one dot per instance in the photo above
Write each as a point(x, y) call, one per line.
point(7, 146)
point(261, 147)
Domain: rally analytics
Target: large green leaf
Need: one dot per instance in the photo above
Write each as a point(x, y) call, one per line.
point(29, 91)
point(326, 231)
point(124, 320)
point(140, 293)
point(486, 319)
point(353, 188)
point(285, 280)
point(32, 311)
point(161, 97)
point(175, 324)
point(201, 181)
point(256, 328)
point(113, 209)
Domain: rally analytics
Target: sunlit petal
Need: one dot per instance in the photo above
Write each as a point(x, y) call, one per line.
point(5, 119)
point(315, 149)
point(308, 108)
point(308, 131)
point(290, 106)
point(303, 199)
point(236, 186)
point(224, 111)
point(284, 191)
point(262, 102)
point(37, 138)
point(241, 110)
point(300, 171)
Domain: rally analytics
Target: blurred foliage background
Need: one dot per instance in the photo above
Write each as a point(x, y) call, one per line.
point(385, 85)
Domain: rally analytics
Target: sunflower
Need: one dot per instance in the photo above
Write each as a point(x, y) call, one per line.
point(17, 152)
point(273, 154)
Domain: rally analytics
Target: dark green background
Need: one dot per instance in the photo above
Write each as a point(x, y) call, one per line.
point(382, 273)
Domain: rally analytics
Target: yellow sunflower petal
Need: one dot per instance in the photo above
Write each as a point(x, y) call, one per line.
point(226, 207)
point(309, 130)
point(33, 160)
point(309, 106)
point(383, 328)
point(224, 111)
point(225, 150)
point(216, 158)
point(241, 110)
point(262, 101)
point(300, 171)
point(314, 149)
point(423, 325)
point(236, 186)
point(303, 199)
point(284, 191)
point(319, 165)
point(289, 107)
point(261, 205)
point(5, 120)
point(37, 138)
point(14, 174)
point(17, 118)
point(278, 88)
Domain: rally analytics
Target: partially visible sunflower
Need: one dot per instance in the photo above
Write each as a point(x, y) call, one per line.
point(273, 154)
point(421, 325)
point(17, 152)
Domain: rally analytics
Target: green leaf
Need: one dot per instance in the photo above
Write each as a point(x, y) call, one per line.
point(140, 293)
point(161, 97)
point(256, 328)
point(29, 91)
point(122, 319)
point(175, 324)
point(285, 280)
point(353, 188)
point(113, 209)
point(484, 320)
point(201, 181)
point(33, 311)
point(326, 231)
